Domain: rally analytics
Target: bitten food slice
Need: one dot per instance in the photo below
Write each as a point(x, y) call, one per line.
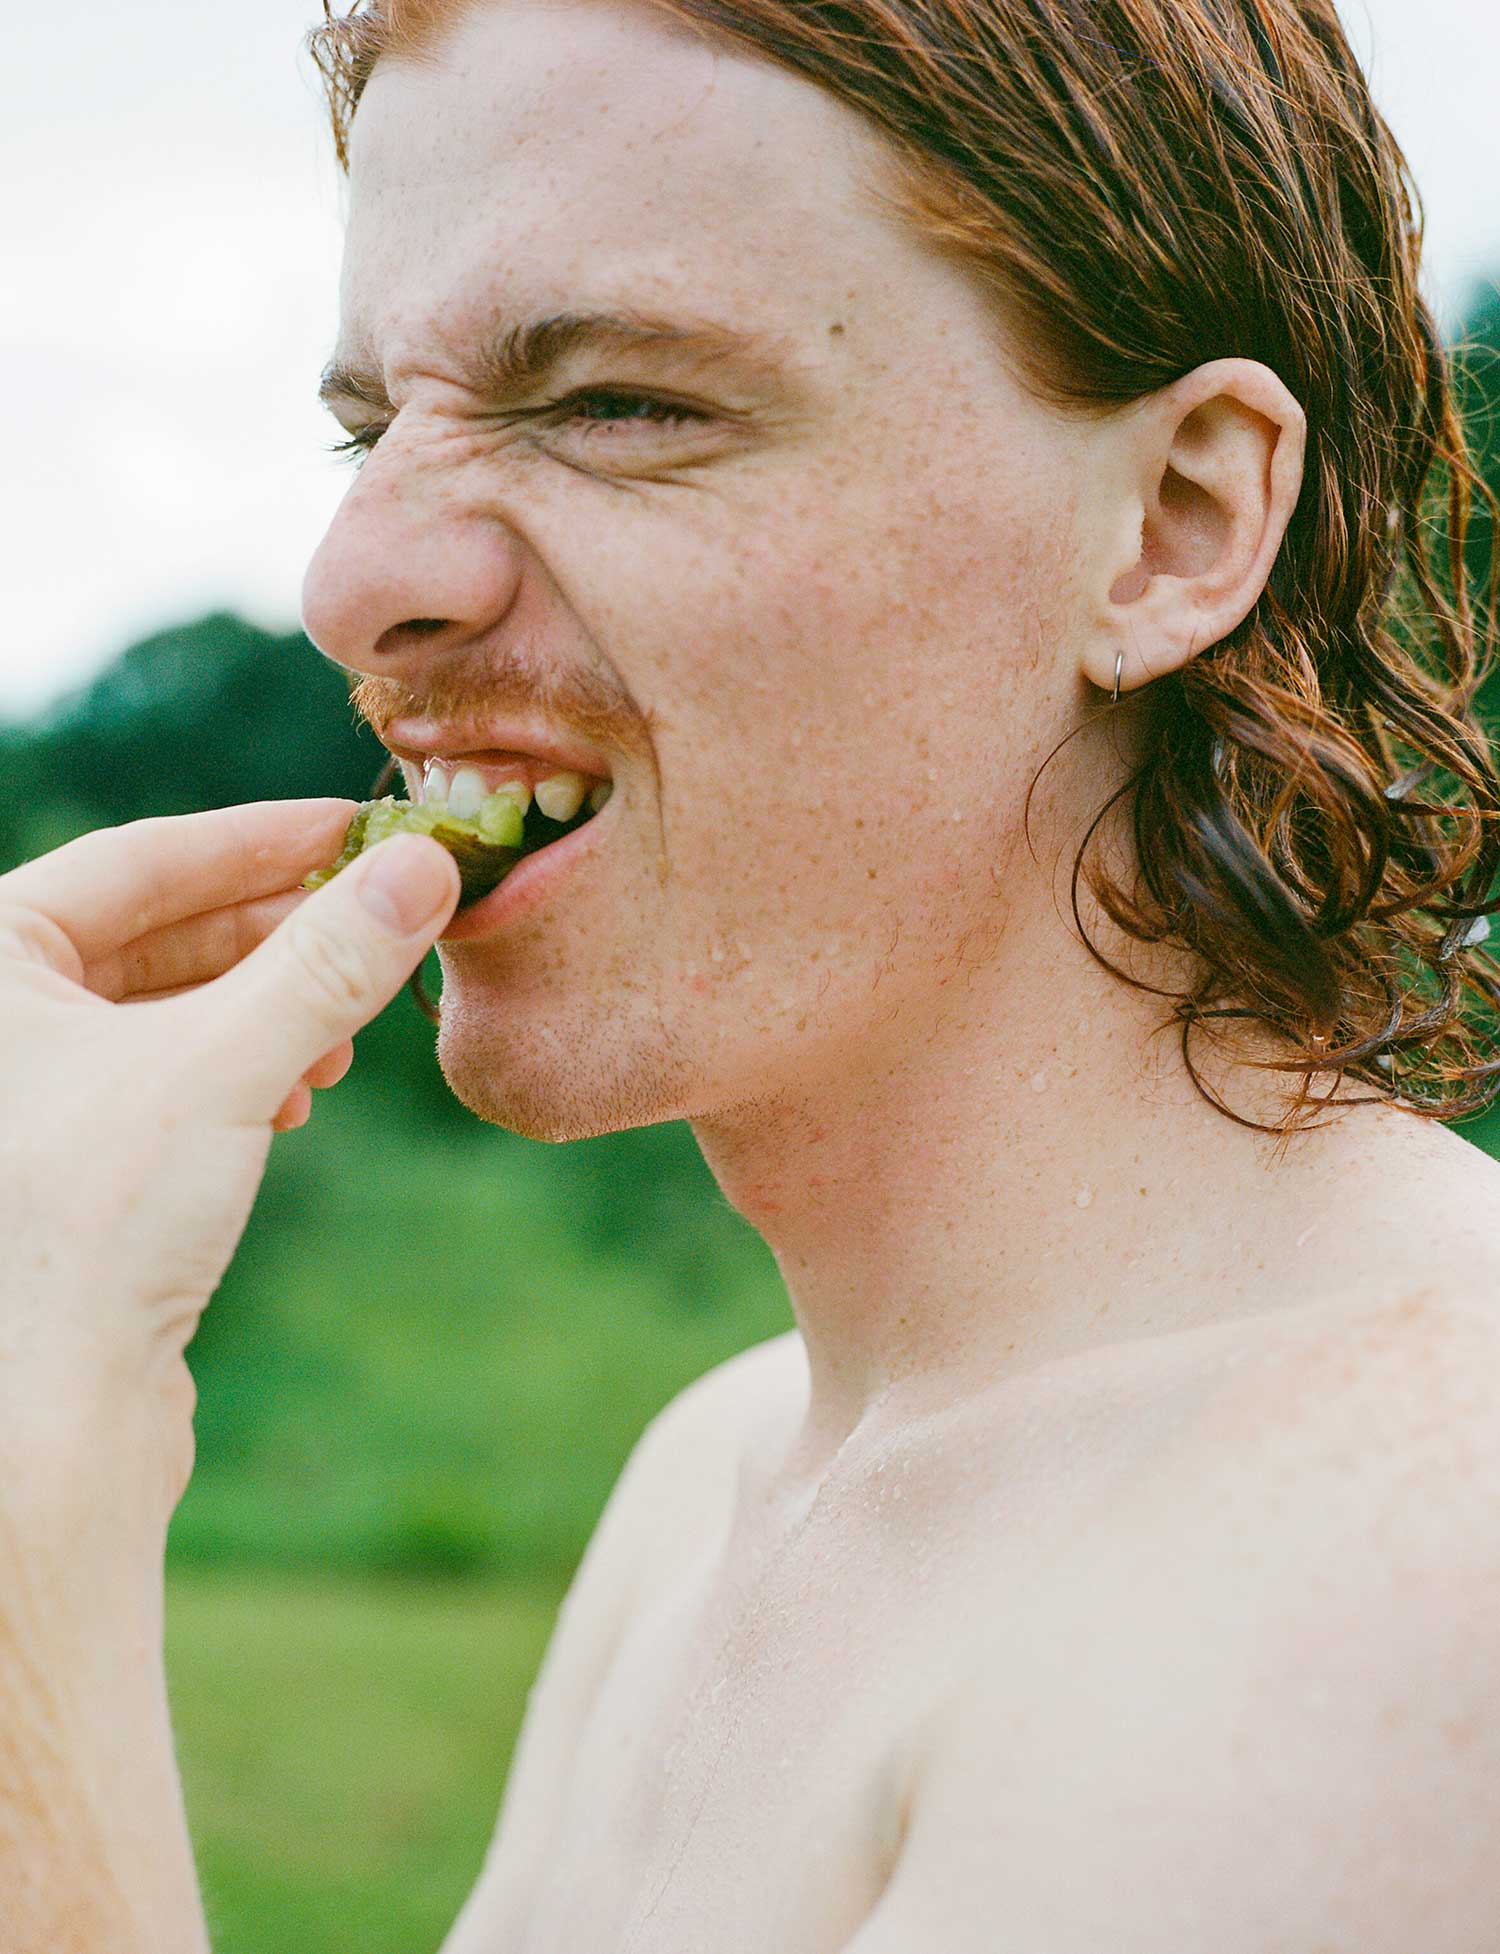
point(486, 845)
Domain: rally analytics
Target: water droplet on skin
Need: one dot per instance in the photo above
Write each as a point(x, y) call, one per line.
point(1084, 1198)
point(1039, 1082)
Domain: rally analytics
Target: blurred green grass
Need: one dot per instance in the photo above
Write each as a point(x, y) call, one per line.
point(434, 1357)
point(344, 1746)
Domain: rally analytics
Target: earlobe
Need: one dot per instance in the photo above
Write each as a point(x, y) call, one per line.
point(1215, 475)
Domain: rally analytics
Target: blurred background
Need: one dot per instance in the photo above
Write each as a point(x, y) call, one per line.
point(438, 1341)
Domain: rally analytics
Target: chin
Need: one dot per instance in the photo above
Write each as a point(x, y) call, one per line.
point(557, 1082)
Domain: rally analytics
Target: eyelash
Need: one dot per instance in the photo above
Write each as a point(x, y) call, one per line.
point(362, 442)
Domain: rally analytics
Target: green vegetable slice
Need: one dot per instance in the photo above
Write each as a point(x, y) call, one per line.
point(486, 847)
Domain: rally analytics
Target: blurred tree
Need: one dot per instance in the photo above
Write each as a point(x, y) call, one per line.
point(1477, 352)
point(1478, 359)
point(206, 715)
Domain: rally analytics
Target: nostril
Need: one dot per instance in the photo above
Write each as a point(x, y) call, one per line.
point(400, 637)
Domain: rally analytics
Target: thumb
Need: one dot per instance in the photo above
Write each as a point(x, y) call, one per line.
point(334, 964)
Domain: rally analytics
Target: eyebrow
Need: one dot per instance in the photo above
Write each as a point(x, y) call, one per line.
point(518, 359)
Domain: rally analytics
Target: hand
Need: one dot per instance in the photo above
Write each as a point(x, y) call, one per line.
point(168, 998)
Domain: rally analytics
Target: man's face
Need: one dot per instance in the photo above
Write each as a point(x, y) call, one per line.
point(811, 605)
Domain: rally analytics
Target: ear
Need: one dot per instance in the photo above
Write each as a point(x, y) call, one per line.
point(1212, 473)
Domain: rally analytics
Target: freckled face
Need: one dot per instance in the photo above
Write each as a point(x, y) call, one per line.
point(831, 589)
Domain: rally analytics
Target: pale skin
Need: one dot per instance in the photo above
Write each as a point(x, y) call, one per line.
point(1108, 1560)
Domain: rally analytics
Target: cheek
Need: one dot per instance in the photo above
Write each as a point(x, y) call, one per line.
point(854, 669)
point(894, 605)
point(848, 697)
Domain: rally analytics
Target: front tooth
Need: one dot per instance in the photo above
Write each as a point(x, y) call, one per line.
point(600, 795)
point(517, 791)
point(434, 781)
point(561, 797)
point(466, 795)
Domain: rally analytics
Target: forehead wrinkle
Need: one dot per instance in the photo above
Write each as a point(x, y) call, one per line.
point(514, 360)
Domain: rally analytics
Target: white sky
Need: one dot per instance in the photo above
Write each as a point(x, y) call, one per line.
point(170, 235)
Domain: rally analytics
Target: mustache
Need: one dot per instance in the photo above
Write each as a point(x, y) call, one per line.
point(593, 705)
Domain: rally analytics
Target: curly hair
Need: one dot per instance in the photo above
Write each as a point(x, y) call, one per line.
point(1139, 187)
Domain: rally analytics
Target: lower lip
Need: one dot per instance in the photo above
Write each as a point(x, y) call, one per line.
point(530, 882)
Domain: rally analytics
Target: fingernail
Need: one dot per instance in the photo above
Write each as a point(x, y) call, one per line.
point(404, 885)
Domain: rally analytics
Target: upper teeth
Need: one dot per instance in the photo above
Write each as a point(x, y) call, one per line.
point(464, 789)
point(561, 797)
point(466, 794)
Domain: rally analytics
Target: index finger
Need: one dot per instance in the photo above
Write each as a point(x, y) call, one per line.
point(109, 887)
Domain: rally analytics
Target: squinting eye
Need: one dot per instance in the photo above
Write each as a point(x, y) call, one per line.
point(660, 413)
point(617, 404)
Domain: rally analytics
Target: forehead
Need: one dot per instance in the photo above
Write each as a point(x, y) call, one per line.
point(540, 154)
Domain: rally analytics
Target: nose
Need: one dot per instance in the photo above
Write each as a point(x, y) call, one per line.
point(406, 577)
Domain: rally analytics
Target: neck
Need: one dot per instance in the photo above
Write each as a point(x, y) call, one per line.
point(1015, 1170)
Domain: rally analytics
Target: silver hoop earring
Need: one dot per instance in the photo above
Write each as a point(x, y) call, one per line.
point(1114, 697)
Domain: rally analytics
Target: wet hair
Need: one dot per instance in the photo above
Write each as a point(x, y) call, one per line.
point(1139, 187)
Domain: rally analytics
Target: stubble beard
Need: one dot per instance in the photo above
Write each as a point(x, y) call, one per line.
point(557, 1083)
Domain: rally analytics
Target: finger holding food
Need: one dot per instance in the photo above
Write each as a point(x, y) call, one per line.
point(116, 885)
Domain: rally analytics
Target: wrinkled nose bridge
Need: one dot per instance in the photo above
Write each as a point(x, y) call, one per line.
point(410, 466)
point(417, 561)
point(427, 474)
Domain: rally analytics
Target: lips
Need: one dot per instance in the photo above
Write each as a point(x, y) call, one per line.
point(532, 748)
point(468, 772)
point(536, 877)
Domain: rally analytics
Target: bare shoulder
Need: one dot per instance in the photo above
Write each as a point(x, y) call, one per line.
point(684, 1469)
point(1258, 1705)
point(707, 1426)
point(1336, 1483)
point(760, 1381)
point(676, 1482)
point(674, 1486)
point(1348, 1469)
point(678, 1478)
point(1383, 1396)
point(681, 1473)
